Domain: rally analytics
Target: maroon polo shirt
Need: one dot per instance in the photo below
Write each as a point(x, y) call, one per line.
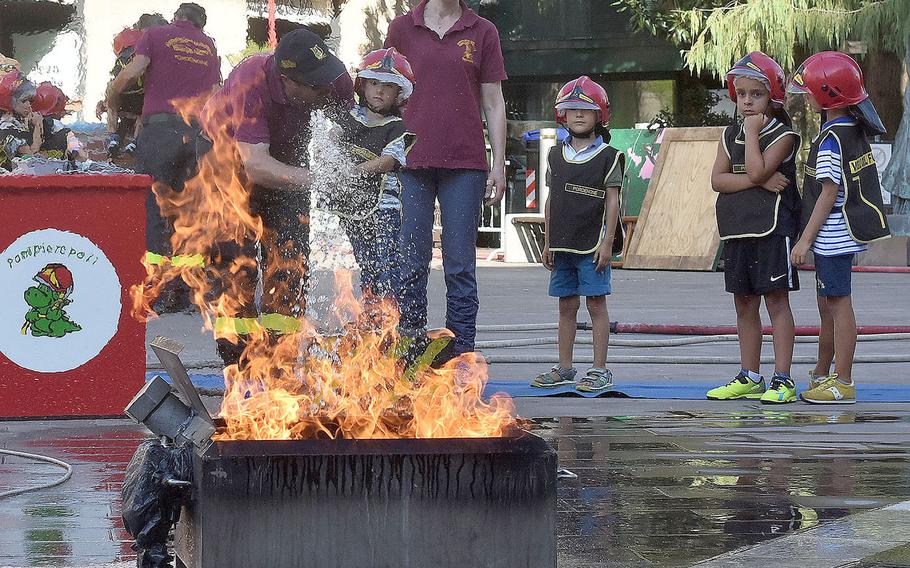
point(253, 109)
point(444, 111)
point(183, 63)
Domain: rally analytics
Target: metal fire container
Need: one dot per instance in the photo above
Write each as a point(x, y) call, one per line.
point(408, 503)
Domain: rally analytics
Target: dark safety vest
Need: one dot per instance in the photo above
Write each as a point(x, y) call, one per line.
point(132, 96)
point(757, 212)
point(863, 208)
point(11, 129)
point(365, 142)
point(54, 144)
point(578, 200)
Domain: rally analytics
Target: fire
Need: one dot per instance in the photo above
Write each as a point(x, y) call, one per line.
point(307, 385)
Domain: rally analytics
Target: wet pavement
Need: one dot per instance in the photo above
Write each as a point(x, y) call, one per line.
point(655, 487)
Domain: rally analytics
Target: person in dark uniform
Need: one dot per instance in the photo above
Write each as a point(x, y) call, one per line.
point(374, 135)
point(842, 210)
point(582, 230)
point(179, 63)
point(757, 212)
point(260, 120)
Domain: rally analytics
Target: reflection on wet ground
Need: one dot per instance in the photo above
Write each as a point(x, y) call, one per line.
point(666, 490)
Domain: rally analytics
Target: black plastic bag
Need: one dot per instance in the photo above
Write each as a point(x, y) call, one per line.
point(150, 506)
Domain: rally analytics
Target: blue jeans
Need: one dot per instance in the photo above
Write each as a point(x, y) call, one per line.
point(375, 244)
point(460, 193)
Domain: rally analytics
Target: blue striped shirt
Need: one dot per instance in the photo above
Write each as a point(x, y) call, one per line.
point(833, 238)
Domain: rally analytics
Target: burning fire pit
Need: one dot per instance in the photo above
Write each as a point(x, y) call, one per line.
point(477, 502)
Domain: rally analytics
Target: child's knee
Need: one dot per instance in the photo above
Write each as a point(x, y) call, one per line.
point(596, 304)
point(569, 304)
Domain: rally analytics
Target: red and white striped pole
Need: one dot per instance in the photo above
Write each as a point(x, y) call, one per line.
point(530, 189)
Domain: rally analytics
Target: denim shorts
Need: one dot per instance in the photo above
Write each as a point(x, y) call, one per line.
point(575, 275)
point(833, 274)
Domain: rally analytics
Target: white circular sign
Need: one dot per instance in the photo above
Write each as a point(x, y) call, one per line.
point(59, 301)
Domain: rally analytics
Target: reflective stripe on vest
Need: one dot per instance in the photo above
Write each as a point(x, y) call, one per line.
point(236, 326)
point(280, 323)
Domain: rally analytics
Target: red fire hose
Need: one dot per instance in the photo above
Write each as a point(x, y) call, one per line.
point(673, 329)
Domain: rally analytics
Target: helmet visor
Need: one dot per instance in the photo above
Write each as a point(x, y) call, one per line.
point(384, 76)
point(561, 108)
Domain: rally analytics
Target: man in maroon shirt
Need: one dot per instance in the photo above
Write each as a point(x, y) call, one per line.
point(180, 63)
point(458, 66)
point(262, 115)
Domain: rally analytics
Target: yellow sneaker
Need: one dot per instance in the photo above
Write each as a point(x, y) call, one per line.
point(831, 391)
point(816, 381)
point(781, 391)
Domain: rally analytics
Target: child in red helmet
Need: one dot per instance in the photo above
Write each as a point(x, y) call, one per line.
point(582, 229)
point(123, 133)
point(757, 207)
point(374, 135)
point(21, 129)
point(842, 210)
point(59, 141)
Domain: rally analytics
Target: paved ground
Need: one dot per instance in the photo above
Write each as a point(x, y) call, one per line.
point(660, 482)
point(510, 295)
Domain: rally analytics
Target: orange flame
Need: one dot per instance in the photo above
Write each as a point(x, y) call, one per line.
point(305, 385)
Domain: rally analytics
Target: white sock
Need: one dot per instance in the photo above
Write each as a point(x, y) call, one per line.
point(754, 377)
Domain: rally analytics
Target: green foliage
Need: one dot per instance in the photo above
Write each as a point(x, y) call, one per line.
point(252, 48)
point(695, 106)
point(715, 33)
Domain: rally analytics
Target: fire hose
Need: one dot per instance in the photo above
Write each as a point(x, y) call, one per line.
point(38, 457)
point(677, 329)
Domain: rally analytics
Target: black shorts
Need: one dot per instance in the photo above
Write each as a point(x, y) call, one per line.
point(756, 266)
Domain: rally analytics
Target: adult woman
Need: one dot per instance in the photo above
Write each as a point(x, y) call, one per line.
point(458, 66)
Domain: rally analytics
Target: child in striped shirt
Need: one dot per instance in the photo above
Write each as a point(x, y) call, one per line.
point(842, 211)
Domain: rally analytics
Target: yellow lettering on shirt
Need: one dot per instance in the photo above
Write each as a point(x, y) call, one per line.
point(587, 191)
point(469, 48)
point(862, 162)
point(189, 48)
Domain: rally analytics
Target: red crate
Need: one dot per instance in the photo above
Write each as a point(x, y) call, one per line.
point(70, 248)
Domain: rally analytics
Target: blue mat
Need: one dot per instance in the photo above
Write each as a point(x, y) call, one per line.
point(684, 391)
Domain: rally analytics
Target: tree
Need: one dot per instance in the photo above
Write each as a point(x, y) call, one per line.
point(715, 33)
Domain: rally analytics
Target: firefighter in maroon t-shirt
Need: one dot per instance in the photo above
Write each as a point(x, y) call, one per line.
point(179, 63)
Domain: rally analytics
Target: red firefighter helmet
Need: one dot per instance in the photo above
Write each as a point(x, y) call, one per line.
point(757, 65)
point(9, 83)
point(58, 277)
point(833, 79)
point(128, 37)
point(388, 66)
point(585, 94)
point(49, 100)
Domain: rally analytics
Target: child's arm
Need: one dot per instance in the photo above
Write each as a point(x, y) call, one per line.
point(724, 181)
point(604, 253)
point(380, 165)
point(547, 256)
point(760, 167)
point(819, 214)
point(37, 122)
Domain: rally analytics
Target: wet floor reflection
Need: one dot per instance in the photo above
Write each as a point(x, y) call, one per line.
point(656, 491)
point(672, 490)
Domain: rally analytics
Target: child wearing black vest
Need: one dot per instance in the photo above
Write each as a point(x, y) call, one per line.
point(757, 208)
point(374, 135)
point(21, 129)
point(842, 210)
point(60, 142)
point(582, 229)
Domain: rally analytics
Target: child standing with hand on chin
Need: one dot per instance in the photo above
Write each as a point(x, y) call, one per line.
point(582, 230)
point(757, 213)
point(842, 210)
